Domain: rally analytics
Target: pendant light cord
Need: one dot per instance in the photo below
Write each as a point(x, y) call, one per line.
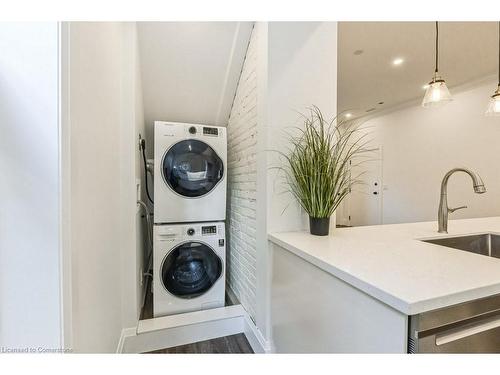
point(499, 54)
point(437, 49)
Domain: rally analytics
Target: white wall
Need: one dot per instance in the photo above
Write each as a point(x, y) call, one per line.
point(302, 72)
point(30, 303)
point(289, 66)
point(420, 145)
point(142, 251)
point(190, 70)
point(103, 170)
point(132, 113)
point(242, 184)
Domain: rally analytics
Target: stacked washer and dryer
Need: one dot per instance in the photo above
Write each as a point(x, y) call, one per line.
point(189, 252)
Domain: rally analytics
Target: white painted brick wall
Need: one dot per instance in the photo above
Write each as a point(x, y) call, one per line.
point(242, 184)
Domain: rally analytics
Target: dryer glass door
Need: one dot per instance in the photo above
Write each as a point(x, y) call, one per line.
point(190, 269)
point(192, 168)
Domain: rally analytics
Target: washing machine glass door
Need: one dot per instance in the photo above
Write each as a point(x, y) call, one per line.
point(190, 269)
point(192, 168)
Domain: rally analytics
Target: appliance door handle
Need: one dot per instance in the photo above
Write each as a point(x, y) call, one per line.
point(458, 333)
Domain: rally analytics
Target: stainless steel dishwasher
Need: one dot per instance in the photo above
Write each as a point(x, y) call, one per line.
point(472, 327)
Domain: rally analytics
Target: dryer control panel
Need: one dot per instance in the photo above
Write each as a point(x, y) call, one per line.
point(210, 229)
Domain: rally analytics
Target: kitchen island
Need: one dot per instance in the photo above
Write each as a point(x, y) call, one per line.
point(355, 290)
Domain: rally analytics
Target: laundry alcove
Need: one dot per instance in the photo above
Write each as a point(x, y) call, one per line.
point(167, 94)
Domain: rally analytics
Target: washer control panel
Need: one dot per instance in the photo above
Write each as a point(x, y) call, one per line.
point(189, 231)
point(210, 131)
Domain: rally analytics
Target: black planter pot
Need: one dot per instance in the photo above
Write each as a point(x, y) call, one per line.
point(319, 226)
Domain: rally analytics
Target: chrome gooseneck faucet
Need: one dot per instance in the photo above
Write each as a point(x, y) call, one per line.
point(477, 184)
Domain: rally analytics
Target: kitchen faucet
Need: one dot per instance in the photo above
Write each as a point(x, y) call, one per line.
point(477, 184)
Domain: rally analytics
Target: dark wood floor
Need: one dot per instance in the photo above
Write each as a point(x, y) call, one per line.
point(235, 344)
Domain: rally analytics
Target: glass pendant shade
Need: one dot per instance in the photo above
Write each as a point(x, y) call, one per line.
point(494, 104)
point(437, 94)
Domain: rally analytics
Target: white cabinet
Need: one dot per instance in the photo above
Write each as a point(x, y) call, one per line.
point(315, 312)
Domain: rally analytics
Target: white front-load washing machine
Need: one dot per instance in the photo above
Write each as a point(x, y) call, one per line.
point(190, 172)
point(188, 267)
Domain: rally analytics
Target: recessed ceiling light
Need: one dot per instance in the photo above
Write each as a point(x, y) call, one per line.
point(348, 115)
point(398, 61)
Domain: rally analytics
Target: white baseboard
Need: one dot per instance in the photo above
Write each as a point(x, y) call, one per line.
point(126, 332)
point(187, 319)
point(182, 329)
point(255, 338)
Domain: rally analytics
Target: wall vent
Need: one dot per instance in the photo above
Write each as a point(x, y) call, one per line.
point(412, 346)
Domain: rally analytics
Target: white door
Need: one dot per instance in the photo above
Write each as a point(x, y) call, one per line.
point(363, 206)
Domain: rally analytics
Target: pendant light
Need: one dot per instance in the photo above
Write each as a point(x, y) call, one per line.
point(437, 93)
point(494, 104)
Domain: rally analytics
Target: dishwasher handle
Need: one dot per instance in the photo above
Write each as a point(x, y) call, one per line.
point(467, 330)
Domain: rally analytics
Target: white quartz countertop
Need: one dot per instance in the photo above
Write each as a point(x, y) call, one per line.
point(391, 264)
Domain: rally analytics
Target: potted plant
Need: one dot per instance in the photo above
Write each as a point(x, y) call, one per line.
point(318, 166)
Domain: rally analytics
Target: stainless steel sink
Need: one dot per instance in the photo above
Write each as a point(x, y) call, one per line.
point(485, 244)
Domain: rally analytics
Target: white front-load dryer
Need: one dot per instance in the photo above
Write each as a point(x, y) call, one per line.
point(188, 267)
point(190, 172)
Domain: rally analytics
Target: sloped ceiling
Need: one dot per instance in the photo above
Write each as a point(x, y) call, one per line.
point(190, 70)
point(468, 51)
